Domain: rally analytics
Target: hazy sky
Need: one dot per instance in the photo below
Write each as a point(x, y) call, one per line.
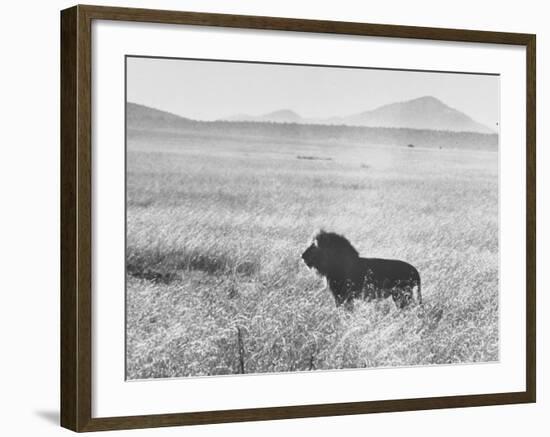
point(209, 90)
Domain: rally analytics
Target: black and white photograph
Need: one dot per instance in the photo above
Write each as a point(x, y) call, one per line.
point(290, 218)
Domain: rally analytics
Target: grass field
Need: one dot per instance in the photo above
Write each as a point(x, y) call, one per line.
point(216, 226)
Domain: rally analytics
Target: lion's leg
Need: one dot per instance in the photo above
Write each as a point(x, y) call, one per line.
point(396, 296)
point(368, 291)
point(402, 294)
point(407, 295)
point(348, 305)
point(385, 290)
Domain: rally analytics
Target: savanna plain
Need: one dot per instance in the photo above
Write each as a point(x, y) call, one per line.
point(216, 223)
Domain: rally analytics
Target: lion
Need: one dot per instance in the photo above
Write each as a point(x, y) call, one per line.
point(351, 277)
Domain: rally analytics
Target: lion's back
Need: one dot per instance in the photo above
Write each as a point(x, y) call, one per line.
point(387, 269)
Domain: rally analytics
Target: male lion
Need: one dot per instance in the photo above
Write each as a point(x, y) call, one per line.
point(351, 277)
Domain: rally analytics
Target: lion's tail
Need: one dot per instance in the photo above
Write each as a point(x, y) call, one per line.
point(419, 293)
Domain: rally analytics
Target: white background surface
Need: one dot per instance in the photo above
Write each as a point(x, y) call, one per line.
point(112, 396)
point(29, 232)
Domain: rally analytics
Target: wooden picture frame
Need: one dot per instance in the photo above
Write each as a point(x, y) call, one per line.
point(76, 217)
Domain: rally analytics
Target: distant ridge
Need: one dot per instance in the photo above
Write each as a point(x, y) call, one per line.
point(421, 113)
point(143, 122)
point(281, 116)
point(141, 116)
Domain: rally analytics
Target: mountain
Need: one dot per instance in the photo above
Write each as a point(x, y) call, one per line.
point(281, 116)
point(422, 113)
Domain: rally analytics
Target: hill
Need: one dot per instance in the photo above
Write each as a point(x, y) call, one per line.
point(281, 116)
point(422, 113)
point(145, 117)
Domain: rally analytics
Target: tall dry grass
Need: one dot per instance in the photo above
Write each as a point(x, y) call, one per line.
point(214, 233)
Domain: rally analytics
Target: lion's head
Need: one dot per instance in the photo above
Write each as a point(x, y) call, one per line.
point(330, 254)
